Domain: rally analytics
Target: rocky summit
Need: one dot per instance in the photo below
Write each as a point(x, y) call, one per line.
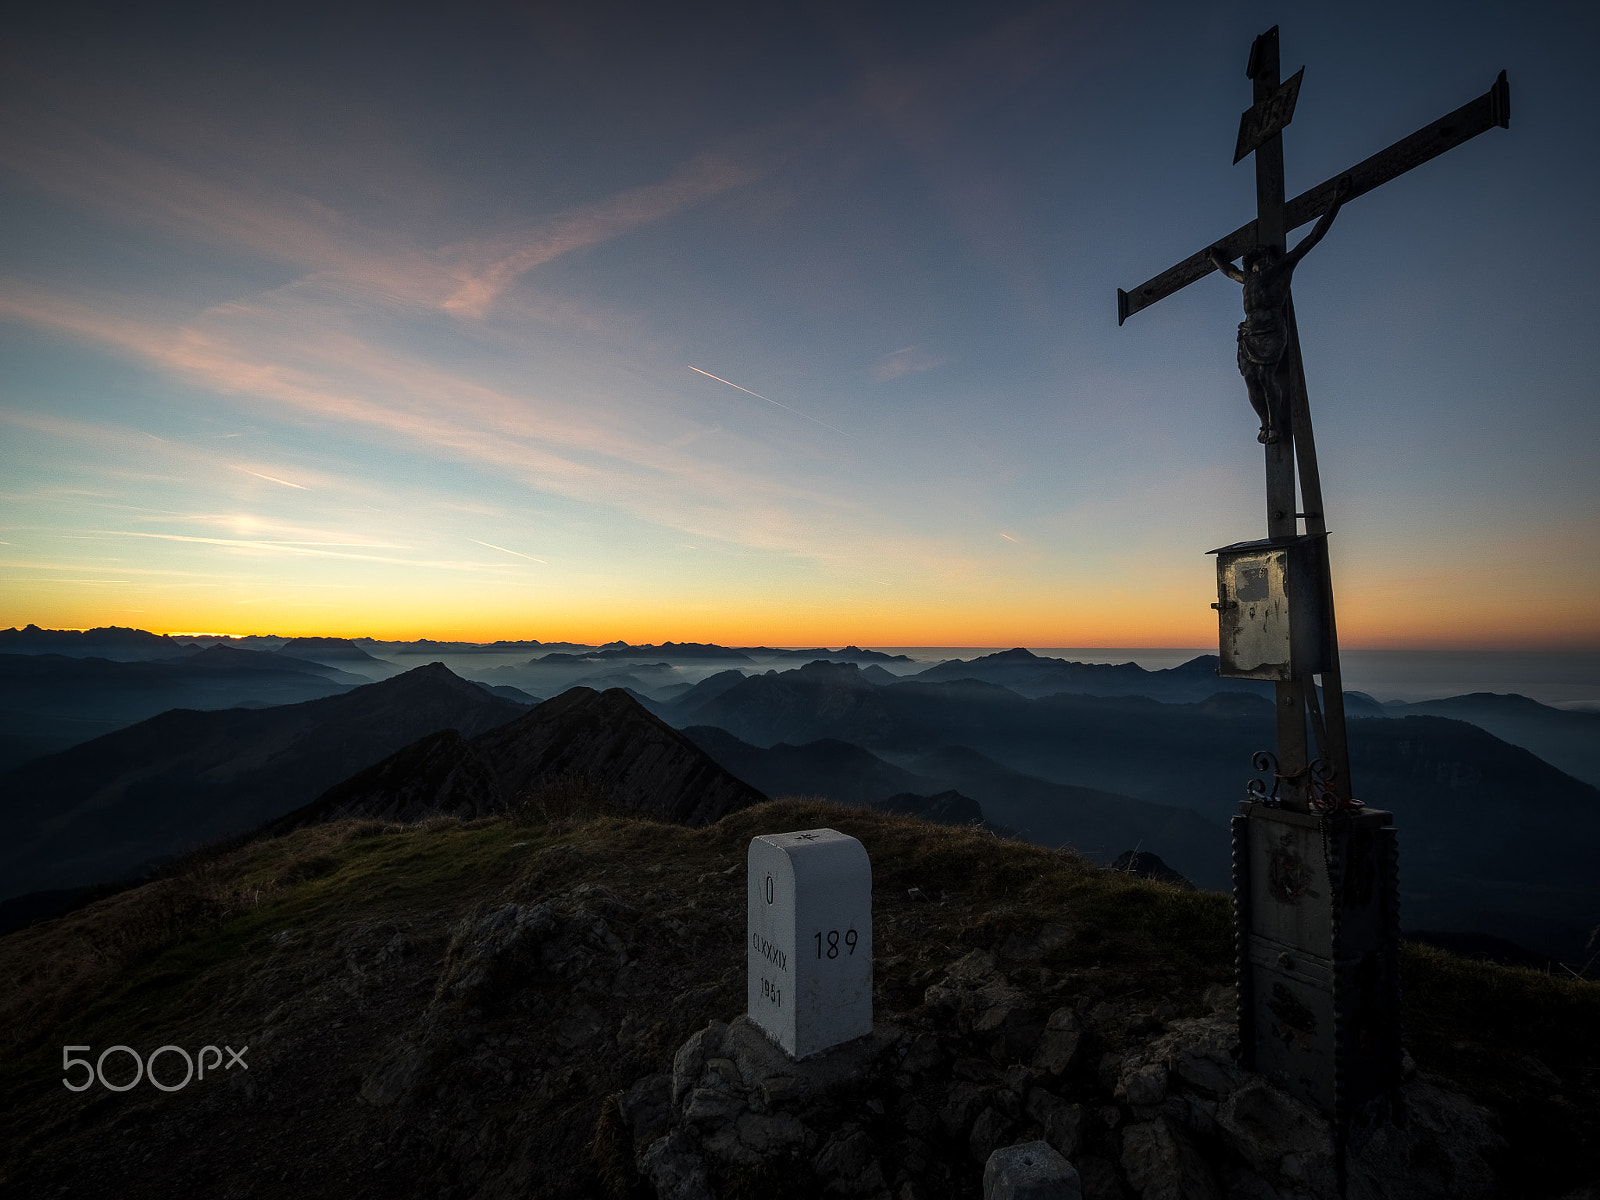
point(604, 744)
point(553, 1006)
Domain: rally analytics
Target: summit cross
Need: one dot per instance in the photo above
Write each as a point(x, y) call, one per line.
point(1316, 892)
point(1280, 382)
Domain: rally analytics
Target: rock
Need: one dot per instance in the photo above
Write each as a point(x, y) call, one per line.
point(711, 1106)
point(1437, 1155)
point(493, 950)
point(1266, 1127)
point(923, 1054)
point(764, 1066)
point(690, 1059)
point(1029, 1171)
point(1020, 1078)
point(1241, 1183)
point(578, 1027)
point(945, 1002)
point(1057, 1051)
point(1221, 997)
point(730, 1103)
point(990, 1130)
point(646, 1108)
point(848, 1164)
point(1004, 1018)
point(916, 1118)
point(766, 1134)
point(1198, 1114)
point(399, 1074)
point(749, 1138)
point(1162, 1164)
point(1065, 1018)
point(1099, 1179)
point(972, 969)
point(1062, 1122)
point(1142, 1084)
point(1047, 938)
point(675, 1169)
point(1211, 1075)
point(963, 1103)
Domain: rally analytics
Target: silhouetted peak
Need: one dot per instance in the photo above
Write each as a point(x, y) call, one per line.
point(1015, 654)
point(432, 676)
point(823, 668)
point(1202, 666)
point(326, 647)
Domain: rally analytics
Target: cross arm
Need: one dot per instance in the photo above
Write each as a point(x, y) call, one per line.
point(1467, 122)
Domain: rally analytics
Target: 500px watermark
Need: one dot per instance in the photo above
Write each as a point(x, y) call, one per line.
point(146, 1067)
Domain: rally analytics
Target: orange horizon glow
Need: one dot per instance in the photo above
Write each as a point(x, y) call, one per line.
point(930, 634)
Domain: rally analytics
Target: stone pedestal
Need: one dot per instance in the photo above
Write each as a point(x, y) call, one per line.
point(1317, 905)
point(809, 939)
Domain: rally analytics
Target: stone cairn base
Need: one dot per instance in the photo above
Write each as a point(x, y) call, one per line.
point(917, 1114)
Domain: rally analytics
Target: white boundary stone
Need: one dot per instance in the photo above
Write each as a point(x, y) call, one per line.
point(808, 939)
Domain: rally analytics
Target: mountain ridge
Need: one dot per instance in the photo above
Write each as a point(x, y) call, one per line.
point(118, 803)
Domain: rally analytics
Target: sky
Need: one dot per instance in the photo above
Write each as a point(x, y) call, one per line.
point(785, 324)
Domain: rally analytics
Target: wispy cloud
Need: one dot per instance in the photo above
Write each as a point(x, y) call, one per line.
point(310, 551)
point(120, 153)
point(909, 360)
point(488, 269)
point(291, 351)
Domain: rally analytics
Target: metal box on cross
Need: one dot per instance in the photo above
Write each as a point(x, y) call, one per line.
point(808, 941)
point(1272, 609)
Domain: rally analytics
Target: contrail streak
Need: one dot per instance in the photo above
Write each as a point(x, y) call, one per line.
point(770, 400)
point(503, 550)
point(271, 478)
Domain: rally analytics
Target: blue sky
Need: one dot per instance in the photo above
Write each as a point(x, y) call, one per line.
point(383, 321)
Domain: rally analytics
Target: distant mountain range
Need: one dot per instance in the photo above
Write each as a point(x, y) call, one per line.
point(1031, 675)
point(1099, 824)
point(117, 804)
point(50, 701)
point(1494, 839)
point(658, 674)
point(113, 642)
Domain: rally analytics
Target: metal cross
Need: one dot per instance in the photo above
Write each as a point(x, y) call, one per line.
point(1261, 133)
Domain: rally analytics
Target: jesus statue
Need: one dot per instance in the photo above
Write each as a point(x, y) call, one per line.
point(1264, 334)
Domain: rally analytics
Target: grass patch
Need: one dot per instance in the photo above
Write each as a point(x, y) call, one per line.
point(188, 957)
point(1526, 1044)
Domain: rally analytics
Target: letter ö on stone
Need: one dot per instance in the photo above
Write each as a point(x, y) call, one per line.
point(808, 942)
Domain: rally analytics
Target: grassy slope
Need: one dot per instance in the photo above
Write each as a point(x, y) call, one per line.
point(318, 948)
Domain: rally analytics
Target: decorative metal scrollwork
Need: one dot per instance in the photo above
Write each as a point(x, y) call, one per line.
point(1318, 777)
point(1266, 761)
point(1319, 789)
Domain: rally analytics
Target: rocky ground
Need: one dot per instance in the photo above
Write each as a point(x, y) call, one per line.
point(915, 1111)
point(489, 1008)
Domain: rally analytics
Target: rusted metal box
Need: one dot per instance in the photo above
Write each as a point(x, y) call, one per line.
point(1272, 608)
point(1316, 899)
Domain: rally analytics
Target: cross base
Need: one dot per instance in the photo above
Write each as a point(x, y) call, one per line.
point(1316, 905)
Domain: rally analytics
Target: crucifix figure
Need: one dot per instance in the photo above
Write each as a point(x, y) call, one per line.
point(1316, 898)
point(1264, 332)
